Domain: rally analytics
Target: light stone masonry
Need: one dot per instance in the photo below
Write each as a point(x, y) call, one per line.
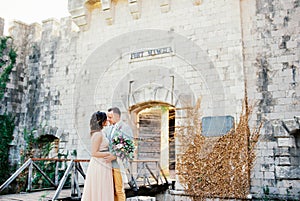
point(220, 50)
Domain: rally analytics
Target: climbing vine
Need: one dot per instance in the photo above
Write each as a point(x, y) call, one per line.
point(216, 166)
point(33, 146)
point(8, 57)
point(6, 132)
point(7, 61)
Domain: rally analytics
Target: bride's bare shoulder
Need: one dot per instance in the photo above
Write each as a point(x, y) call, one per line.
point(97, 135)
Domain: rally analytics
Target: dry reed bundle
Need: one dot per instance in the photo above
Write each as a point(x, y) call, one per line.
point(216, 166)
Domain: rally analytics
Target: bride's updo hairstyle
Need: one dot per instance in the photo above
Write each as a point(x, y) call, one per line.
point(96, 122)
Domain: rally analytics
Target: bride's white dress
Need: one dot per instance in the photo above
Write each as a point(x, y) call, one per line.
point(98, 185)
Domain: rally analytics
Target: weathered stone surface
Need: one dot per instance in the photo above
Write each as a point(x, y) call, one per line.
point(286, 172)
point(70, 68)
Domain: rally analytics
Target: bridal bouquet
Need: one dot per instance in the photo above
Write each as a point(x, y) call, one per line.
point(122, 147)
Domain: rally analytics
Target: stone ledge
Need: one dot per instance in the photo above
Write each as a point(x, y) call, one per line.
point(178, 192)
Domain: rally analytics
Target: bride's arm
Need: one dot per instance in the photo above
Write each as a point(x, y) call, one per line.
point(110, 158)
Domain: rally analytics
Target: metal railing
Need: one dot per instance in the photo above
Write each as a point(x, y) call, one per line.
point(73, 168)
point(141, 173)
point(140, 170)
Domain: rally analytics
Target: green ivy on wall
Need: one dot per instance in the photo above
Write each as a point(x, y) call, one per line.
point(6, 65)
point(6, 135)
point(7, 61)
point(33, 146)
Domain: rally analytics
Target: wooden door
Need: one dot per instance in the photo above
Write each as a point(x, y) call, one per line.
point(149, 137)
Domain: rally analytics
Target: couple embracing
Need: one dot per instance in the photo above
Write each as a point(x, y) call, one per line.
point(104, 180)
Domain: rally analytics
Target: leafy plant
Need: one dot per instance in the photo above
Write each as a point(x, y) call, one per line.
point(30, 145)
point(37, 147)
point(6, 132)
point(7, 61)
point(266, 191)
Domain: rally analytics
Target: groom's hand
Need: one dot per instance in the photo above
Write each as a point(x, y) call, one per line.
point(110, 158)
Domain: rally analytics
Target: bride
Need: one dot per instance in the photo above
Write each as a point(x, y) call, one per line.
point(98, 185)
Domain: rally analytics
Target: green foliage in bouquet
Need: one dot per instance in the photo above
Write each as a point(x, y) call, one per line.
point(122, 147)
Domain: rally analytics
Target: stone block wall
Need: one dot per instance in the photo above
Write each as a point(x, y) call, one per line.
point(69, 68)
point(271, 53)
point(206, 60)
point(39, 82)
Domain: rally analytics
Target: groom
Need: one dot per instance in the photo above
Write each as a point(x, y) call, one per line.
point(114, 118)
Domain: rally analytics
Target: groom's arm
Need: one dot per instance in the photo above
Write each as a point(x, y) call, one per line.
point(111, 157)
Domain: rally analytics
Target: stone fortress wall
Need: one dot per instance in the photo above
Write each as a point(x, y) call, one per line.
point(125, 53)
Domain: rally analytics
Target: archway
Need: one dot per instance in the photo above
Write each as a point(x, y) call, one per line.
point(155, 123)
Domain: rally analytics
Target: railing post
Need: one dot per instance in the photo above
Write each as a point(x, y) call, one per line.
point(146, 179)
point(56, 173)
point(29, 184)
point(158, 172)
point(63, 180)
point(75, 178)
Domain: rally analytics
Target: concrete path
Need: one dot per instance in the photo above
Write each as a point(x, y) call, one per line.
point(35, 196)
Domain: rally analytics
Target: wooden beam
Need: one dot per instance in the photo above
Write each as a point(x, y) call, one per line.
point(10, 179)
point(63, 180)
point(44, 174)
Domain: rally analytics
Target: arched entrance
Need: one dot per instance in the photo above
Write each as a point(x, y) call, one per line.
point(155, 127)
point(111, 78)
